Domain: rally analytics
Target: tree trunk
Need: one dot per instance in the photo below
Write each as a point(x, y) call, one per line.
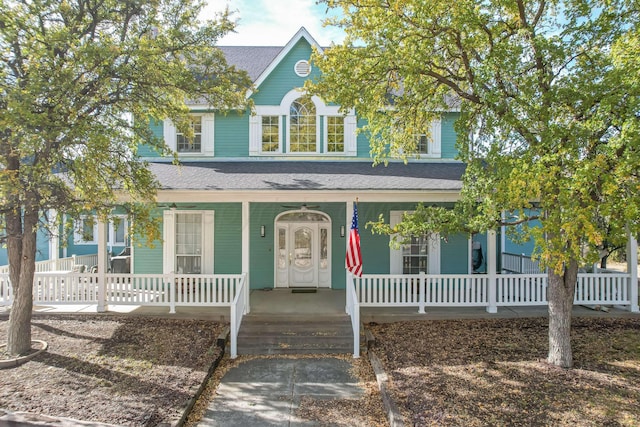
point(22, 264)
point(560, 294)
point(603, 261)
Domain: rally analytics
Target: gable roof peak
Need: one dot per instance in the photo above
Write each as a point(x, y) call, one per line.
point(301, 34)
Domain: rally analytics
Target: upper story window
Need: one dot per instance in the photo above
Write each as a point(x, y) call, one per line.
point(186, 145)
point(302, 125)
point(302, 128)
point(429, 145)
point(335, 134)
point(202, 144)
point(270, 134)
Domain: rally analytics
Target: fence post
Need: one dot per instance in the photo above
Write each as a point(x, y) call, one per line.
point(102, 266)
point(632, 268)
point(172, 293)
point(491, 270)
point(422, 286)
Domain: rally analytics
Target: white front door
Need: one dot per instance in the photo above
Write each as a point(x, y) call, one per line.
point(303, 269)
point(302, 255)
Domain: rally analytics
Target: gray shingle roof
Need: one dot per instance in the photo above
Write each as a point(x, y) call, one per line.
point(252, 59)
point(307, 176)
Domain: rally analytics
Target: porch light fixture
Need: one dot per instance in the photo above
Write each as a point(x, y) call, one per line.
point(262, 231)
point(342, 231)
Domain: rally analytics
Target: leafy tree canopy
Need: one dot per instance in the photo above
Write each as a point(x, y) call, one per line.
point(548, 96)
point(81, 80)
point(80, 83)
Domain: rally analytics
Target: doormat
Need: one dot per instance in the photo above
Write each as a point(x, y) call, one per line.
point(304, 291)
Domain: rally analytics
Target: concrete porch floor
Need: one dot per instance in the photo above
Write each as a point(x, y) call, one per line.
point(324, 302)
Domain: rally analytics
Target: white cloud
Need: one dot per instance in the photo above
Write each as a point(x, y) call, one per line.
point(274, 22)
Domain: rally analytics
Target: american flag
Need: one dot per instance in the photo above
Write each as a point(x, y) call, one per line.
point(354, 256)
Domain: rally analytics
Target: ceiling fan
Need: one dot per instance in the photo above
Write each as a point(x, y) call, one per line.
point(302, 207)
point(175, 206)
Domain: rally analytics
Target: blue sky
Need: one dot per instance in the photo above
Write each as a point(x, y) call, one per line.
point(274, 22)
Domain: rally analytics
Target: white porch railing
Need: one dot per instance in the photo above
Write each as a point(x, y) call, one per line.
point(473, 290)
point(60, 264)
point(238, 310)
point(519, 263)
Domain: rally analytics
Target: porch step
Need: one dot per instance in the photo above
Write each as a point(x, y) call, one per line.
point(293, 335)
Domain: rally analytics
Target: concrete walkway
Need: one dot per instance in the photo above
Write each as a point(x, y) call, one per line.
point(267, 391)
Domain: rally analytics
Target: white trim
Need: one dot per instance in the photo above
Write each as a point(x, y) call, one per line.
point(168, 241)
point(302, 64)
point(169, 134)
point(208, 135)
point(316, 196)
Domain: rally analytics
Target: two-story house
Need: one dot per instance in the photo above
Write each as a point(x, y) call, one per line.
point(271, 193)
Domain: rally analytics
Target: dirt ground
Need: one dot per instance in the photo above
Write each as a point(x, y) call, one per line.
point(142, 371)
point(493, 372)
point(119, 370)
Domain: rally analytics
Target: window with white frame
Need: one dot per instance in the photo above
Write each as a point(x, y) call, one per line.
point(202, 126)
point(86, 231)
point(188, 242)
point(117, 233)
point(270, 134)
point(190, 145)
point(310, 127)
point(420, 254)
point(429, 145)
point(302, 126)
point(335, 134)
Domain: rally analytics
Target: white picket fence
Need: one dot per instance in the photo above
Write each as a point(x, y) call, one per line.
point(519, 263)
point(61, 264)
point(168, 290)
point(475, 290)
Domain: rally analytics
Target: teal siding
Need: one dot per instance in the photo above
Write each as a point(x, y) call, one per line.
point(364, 149)
point(454, 254)
point(232, 134)
point(228, 238)
point(448, 136)
point(283, 78)
point(147, 258)
point(157, 130)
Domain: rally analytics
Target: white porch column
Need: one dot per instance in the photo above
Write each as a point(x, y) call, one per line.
point(102, 266)
point(632, 269)
point(245, 253)
point(491, 271)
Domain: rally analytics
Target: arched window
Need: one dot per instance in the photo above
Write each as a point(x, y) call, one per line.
point(302, 129)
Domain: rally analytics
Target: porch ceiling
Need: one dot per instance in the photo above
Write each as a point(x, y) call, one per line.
point(308, 176)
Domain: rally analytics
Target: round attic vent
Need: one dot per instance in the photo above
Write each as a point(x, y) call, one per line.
point(302, 68)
